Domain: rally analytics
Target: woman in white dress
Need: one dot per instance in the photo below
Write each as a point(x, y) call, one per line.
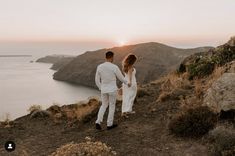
point(129, 91)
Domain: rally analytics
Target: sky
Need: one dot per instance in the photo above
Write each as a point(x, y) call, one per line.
point(182, 23)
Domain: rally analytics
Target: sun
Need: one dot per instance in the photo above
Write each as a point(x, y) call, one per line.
point(122, 42)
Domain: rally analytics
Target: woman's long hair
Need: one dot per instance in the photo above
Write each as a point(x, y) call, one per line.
point(128, 61)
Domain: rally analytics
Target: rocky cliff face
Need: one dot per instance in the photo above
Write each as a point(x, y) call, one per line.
point(221, 95)
point(58, 61)
point(155, 60)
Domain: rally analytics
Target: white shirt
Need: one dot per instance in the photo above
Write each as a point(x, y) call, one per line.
point(105, 77)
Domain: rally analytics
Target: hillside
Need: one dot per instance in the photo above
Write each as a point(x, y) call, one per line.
point(170, 118)
point(155, 60)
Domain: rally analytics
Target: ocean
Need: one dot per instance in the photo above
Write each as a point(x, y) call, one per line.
point(24, 82)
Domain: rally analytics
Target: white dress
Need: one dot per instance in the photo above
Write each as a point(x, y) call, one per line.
point(129, 93)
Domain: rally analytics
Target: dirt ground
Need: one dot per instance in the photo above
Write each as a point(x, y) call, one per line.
point(143, 133)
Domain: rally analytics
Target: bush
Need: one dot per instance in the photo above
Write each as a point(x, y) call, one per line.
point(141, 92)
point(88, 148)
point(223, 140)
point(224, 54)
point(201, 65)
point(200, 69)
point(182, 68)
point(193, 122)
point(34, 108)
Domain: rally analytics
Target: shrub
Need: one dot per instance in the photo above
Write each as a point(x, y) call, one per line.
point(224, 54)
point(141, 92)
point(34, 108)
point(227, 115)
point(163, 96)
point(200, 69)
point(6, 121)
point(223, 140)
point(54, 109)
point(88, 148)
point(193, 122)
point(182, 68)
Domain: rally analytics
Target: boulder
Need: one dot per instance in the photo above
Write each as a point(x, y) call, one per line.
point(221, 95)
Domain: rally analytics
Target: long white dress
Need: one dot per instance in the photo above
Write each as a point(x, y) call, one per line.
point(129, 93)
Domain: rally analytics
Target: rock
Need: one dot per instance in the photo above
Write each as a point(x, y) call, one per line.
point(221, 95)
point(231, 67)
point(40, 114)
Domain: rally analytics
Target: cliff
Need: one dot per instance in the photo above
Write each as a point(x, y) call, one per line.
point(58, 61)
point(155, 60)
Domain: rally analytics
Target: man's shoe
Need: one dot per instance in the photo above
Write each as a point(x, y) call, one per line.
point(98, 127)
point(111, 127)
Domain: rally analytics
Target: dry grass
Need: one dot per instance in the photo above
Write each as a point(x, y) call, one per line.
point(163, 96)
point(34, 108)
point(171, 84)
point(217, 73)
point(6, 122)
point(198, 90)
point(175, 84)
point(87, 148)
point(190, 102)
point(81, 111)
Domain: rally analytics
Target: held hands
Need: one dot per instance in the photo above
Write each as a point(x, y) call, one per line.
point(120, 91)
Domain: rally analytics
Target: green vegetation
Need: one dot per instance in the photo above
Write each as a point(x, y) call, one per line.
point(224, 54)
point(200, 69)
point(203, 65)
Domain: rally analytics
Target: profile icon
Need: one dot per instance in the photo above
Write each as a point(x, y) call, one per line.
point(10, 146)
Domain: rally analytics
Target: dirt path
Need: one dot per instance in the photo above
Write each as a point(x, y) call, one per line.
point(143, 133)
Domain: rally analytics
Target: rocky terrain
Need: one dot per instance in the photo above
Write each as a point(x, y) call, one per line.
point(58, 61)
point(157, 58)
point(189, 112)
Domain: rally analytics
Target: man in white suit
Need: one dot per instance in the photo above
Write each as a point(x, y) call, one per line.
point(105, 79)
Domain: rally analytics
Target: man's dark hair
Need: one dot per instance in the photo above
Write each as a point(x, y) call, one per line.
point(109, 54)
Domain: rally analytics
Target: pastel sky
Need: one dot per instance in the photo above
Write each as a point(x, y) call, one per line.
point(176, 22)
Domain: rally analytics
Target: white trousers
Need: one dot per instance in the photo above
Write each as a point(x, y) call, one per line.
point(108, 99)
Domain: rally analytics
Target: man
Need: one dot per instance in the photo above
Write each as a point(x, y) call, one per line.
point(105, 79)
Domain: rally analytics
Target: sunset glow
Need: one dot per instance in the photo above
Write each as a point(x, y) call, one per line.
point(178, 22)
point(122, 42)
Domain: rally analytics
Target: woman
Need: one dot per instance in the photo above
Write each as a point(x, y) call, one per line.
point(129, 91)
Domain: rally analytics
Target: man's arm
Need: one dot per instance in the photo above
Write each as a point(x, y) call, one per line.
point(120, 76)
point(98, 79)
